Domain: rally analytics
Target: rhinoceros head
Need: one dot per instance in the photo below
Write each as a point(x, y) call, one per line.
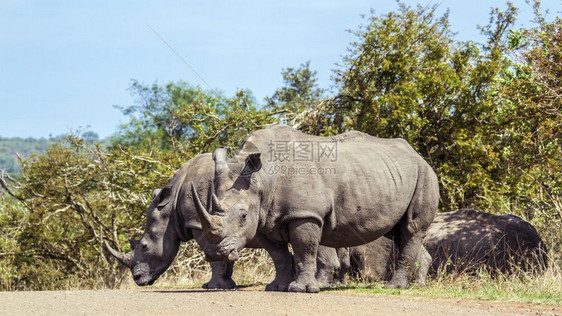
point(231, 218)
point(156, 250)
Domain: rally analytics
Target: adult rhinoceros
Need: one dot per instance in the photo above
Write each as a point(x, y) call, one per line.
point(465, 240)
point(171, 218)
point(306, 190)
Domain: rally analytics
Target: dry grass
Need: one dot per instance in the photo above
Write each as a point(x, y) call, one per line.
point(529, 287)
point(536, 287)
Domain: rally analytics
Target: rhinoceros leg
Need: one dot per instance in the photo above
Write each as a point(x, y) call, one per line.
point(304, 236)
point(221, 272)
point(406, 263)
point(221, 277)
point(345, 265)
point(283, 262)
point(327, 263)
point(413, 259)
point(413, 227)
point(424, 261)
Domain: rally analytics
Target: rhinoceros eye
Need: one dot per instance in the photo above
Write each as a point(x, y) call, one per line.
point(243, 219)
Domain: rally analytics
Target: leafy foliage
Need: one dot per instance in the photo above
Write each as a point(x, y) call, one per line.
point(530, 112)
point(77, 194)
point(185, 120)
point(72, 197)
point(299, 93)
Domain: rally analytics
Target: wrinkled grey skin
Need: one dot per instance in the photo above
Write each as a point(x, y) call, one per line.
point(382, 186)
point(470, 239)
point(171, 218)
point(462, 241)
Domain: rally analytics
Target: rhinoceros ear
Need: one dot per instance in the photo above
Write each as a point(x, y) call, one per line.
point(165, 196)
point(253, 164)
point(155, 193)
point(134, 243)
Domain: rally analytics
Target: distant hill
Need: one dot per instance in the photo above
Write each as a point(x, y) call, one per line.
point(23, 146)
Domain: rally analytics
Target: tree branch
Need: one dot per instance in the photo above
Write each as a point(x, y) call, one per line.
point(4, 184)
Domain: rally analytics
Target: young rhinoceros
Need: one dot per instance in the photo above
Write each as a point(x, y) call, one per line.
point(356, 189)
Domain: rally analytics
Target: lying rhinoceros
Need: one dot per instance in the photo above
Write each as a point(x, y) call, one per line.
point(171, 218)
point(355, 189)
point(462, 241)
point(468, 239)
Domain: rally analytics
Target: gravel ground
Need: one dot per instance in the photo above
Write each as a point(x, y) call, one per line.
point(247, 302)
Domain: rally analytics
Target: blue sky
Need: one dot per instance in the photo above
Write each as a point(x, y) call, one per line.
point(64, 64)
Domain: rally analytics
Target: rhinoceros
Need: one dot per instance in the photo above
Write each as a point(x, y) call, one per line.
point(171, 218)
point(462, 241)
point(468, 239)
point(307, 190)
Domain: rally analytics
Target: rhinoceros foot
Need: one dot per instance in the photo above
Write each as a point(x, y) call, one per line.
point(220, 283)
point(323, 278)
point(307, 286)
point(397, 283)
point(278, 286)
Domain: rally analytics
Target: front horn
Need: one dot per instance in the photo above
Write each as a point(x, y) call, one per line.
point(126, 259)
point(212, 225)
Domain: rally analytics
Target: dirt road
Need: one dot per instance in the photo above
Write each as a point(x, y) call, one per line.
point(246, 302)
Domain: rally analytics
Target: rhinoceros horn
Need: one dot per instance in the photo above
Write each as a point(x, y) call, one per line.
point(216, 204)
point(212, 225)
point(219, 156)
point(125, 258)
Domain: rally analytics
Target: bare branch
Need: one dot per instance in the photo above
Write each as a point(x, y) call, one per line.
point(5, 185)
